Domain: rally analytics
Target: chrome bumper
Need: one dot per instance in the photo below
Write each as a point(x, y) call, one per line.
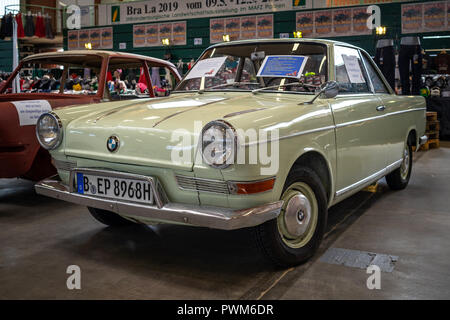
point(195, 215)
point(422, 140)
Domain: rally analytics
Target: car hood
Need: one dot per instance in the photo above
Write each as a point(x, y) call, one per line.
point(152, 132)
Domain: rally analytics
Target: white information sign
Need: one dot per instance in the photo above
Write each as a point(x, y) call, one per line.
point(29, 111)
point(206, 68)
point(163, 10)
point(353, 69)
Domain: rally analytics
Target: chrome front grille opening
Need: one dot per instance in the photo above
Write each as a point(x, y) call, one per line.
point(202, 185)
point(64, 165)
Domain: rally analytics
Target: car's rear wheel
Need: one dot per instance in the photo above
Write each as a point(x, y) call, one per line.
point(109, 218)
point(399, 178)
point(295, 235)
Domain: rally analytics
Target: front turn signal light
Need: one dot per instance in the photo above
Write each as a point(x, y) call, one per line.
point(252, 186)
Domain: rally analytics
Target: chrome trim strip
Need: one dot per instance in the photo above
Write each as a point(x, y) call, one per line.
point(357, 184)
point(292, 135)
point(404, 111)
point(354, 94)
point(341, 125)
point(345, 124)
point(394, 166)
point(370, 179)
point(195, 215)
point(307, 132)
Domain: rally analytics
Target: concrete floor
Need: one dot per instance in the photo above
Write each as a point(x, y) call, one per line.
point(40, 237)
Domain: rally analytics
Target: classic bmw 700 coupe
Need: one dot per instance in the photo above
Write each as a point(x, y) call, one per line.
point(260, 134)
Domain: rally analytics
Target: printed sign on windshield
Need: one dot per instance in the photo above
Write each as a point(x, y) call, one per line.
point(282, 66)
point(206, 68)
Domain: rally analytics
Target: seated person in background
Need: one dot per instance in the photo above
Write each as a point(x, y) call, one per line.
point(77, 84)
point(26, 85)
point(36, 83)
point(69, 84)
point(45, 84)
point(94, 84)
point(54, 84)
point(119, 86)
point(141, 88)
point(86, 84)
point(133, 84)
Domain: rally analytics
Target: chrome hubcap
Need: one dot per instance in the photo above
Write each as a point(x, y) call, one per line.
point(404, 169)
point(297, 215)
point(298, 218)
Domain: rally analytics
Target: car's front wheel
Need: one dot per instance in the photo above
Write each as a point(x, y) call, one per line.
point(399, 178)
point(109, 218)
point(295, 235)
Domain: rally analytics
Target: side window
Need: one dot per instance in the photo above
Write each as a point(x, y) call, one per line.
point(125, 81)
point(248, 71)
point(350, 72)
point(378, 84)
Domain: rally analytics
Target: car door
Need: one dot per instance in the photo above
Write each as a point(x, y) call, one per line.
point(394, 126)
point(360, 134)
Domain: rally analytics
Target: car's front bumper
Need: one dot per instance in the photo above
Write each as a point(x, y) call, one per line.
point(177, 213)
point(423, 139)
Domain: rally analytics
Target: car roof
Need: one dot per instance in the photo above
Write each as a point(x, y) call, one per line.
point(102, 53)
point(284, 40)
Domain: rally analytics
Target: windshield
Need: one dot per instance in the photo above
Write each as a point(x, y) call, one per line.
point(282, 67)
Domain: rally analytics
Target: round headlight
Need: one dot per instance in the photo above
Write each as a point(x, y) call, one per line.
point(48, 131)
point(218, 144)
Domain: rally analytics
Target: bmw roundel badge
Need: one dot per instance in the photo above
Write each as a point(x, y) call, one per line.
point(113, 143)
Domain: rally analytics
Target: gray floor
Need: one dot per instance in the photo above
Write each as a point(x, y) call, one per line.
point(41, 237)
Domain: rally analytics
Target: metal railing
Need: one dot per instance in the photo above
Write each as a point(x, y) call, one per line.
point(56, 14)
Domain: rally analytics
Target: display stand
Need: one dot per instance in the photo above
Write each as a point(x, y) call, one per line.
point(442, 107)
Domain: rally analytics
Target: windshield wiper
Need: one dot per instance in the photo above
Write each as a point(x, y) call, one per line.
point(235, 84)
point(295, 84)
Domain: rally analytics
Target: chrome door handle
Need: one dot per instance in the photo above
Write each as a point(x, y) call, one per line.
point(381, 108)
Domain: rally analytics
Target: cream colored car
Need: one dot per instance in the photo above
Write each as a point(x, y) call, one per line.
point(322, 119)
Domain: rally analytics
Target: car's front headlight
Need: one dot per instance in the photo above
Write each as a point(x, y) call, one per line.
point(49, 131)
point(219, 144)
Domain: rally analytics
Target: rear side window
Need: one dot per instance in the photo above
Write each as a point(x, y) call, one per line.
point(350, 73)
point(378, 84)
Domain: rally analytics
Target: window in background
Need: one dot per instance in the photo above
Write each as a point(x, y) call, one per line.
point(7, 3)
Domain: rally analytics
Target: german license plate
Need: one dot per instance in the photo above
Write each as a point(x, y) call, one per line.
point(115, 188)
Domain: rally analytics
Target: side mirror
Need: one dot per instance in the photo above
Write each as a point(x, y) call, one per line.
point(330, 89)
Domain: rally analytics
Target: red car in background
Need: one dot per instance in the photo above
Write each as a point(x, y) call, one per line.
point(60, 79)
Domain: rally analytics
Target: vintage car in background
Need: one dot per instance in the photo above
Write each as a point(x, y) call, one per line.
point(57, 79)
point(329, 121)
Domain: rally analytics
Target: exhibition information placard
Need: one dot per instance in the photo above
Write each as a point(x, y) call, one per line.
point(282, 66)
